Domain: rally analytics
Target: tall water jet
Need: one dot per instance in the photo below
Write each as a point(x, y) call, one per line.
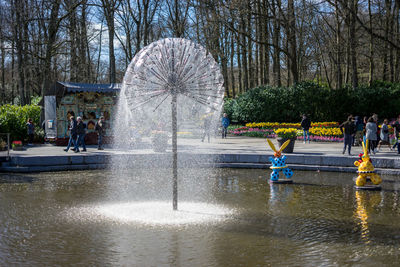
point(171, 76)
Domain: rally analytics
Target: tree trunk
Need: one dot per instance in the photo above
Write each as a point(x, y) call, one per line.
point(266, 46)
point(353, 44)
point(99, 55)
point(250, 46)
point(288, 63)
point(224, 66)
point(73, 38)
point(239, 62)
point(292, 43)
point(391, 50)
point(276, 34)
point(244, 58)
point(52, 35)
point(145, 21)
point(397, 40)
point(109, 7)
point(386, 45)
point(232, 67)
point(18, 8)
point(111, 33)
point(348, 59)
point(28, 84)
point(3, 69)
point(257, 63)
point(84, 61)
point(371, 47)
point(13, 71)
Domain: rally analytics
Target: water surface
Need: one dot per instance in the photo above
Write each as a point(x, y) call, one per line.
point(51, 219)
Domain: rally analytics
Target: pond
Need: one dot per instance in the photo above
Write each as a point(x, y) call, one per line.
point(58, 218)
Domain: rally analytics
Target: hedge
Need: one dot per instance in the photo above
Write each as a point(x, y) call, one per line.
point(13, 120)
point(277, 104)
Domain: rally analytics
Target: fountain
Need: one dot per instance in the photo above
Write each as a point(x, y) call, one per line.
point(169, 85)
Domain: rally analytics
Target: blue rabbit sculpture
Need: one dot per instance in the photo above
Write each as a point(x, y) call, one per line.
point(279, 162)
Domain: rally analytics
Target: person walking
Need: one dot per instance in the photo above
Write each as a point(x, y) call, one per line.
point(371, 134)
point(72, 134)
point(31, 131)
point(396, 127)
point(100, 129)
point(81, 132)
point(359, 131)
point(378, 130)
point(365, 121)
point(348, 128)
point(225, 123)
point(206, 127)
point(384, 135)
point(306, 124)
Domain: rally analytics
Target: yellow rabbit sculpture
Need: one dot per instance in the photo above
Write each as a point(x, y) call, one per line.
point(366, 169)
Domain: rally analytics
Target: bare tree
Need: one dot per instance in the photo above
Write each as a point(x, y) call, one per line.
point(3, 56)
point(109, 7)
point(177, 17)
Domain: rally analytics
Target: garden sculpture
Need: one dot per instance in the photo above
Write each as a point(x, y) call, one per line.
point(366, 169)
point(279, 162)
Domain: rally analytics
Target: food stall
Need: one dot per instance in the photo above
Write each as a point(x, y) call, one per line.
point(89, 101)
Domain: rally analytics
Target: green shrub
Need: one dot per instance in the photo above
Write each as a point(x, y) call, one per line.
point(286, 104)
point(13, 120)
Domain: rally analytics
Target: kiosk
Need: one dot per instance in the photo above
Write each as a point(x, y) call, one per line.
point(89, 101)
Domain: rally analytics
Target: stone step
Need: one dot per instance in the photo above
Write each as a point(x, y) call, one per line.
point(296, 161)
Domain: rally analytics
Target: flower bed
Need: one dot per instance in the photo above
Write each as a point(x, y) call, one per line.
point(319, 131)
point(253, 132)
point(272, 125)
point(322, 138)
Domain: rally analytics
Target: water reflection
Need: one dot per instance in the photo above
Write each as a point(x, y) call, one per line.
point(279, 193)
point(229, 184)
point(361, 215)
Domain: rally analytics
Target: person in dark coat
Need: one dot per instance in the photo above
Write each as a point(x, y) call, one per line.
point(100, 129)
point(81, 132)
point(396, 127)
point(358, 138)
point(348, 128)
point(72, 134)
point(306, 124)
point(31, 131)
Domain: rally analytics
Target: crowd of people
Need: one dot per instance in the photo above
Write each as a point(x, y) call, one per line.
point(77, 133)
point(357, 130)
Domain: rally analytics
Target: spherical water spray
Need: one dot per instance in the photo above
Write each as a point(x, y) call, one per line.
point(171, 76)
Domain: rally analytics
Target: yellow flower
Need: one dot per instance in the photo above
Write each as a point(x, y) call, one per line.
point(286, 132)
point(270, 125)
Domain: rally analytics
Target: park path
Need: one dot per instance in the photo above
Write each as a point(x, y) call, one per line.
point(230, 145)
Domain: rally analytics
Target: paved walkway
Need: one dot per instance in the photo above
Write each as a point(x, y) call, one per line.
point(244, 152)
point(231, 145)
